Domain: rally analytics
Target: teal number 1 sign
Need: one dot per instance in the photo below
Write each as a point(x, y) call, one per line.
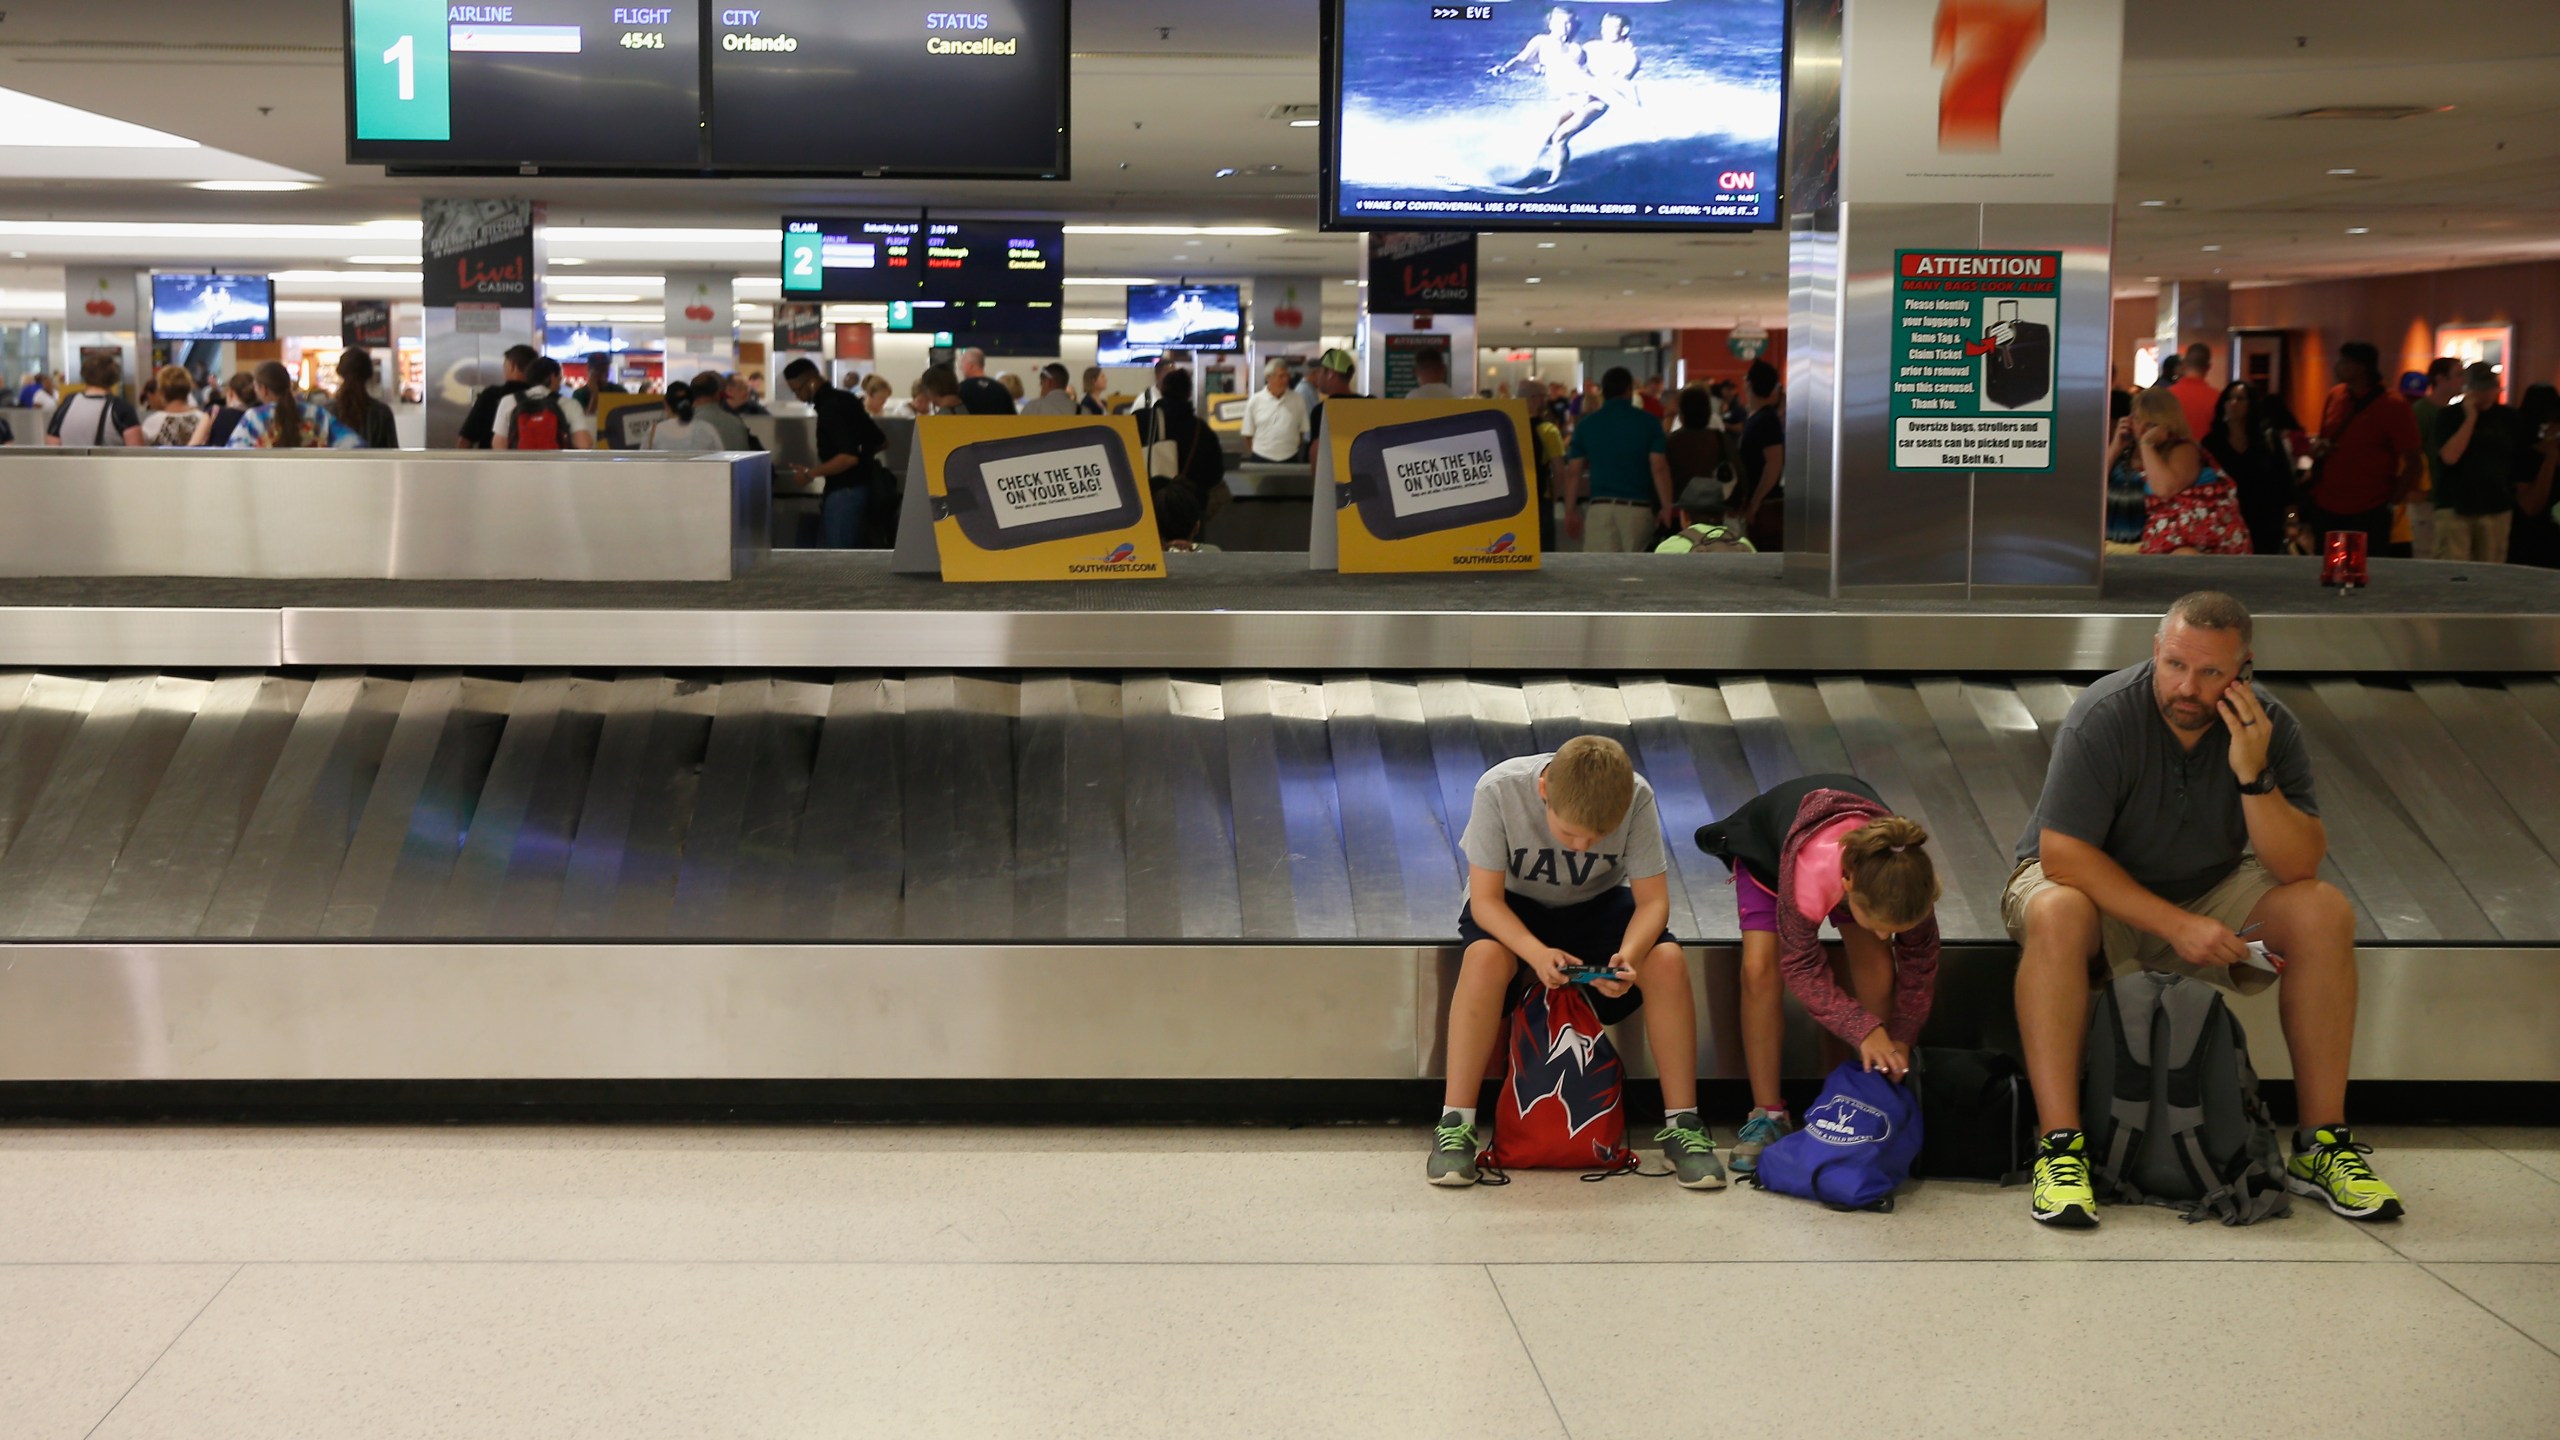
point(403, 70)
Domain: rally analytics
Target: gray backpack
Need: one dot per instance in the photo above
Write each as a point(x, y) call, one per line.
point(2172, 1108)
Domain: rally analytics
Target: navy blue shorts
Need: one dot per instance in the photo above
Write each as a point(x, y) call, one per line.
point(1590, 932)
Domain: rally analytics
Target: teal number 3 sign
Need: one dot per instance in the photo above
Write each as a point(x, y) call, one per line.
point(403, 70)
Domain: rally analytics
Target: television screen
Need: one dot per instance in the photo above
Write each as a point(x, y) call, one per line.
point(1657, 114)
point(1186, 317)
point(1112, 347)
point(574, 343)
point(964, 92)
point(545, 83)
point(995, 260)
point(212, 307)
point(852, 258)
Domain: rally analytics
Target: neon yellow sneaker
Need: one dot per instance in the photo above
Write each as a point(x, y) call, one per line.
point(2333, 1170)
point(2061, 1195)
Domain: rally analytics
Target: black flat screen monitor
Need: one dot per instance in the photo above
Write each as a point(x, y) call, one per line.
point(852, 258)
point(864, 87)
point(778, 87)
point(1112, 347)
point(560, 85)
point(1653, 115)
point(995, 260)
point(212, 307)
point(1186, 317)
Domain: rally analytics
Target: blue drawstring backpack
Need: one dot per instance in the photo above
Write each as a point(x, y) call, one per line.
point(1856, 1145)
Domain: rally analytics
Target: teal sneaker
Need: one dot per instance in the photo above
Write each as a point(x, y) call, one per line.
point(2333, 1171)
point(1453, 1151)
point(1764, 1129)
point(1691, 1152)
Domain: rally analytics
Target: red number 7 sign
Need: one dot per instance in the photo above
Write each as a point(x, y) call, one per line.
point(1982, 45)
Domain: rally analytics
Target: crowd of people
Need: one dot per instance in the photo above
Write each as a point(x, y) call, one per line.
point(257, 409)
point(2437, 467)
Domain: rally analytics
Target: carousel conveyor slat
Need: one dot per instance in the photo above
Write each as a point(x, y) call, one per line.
point(1055, 808)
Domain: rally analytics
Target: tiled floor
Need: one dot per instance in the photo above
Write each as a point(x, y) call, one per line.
point(634, 1283)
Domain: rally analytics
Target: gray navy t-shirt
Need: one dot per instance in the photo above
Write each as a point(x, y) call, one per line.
point(1507, 831)
point(2170, 816)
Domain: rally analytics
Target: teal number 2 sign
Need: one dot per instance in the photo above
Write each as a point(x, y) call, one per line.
point(403, 70)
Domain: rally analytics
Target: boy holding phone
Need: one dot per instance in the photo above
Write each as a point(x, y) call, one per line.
point(1566, 868)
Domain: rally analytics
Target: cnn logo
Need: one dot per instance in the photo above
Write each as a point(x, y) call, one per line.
point(1738, 180)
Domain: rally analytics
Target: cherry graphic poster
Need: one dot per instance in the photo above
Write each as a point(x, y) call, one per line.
point(698, 306)
point(102, 298)
point(1974, 342)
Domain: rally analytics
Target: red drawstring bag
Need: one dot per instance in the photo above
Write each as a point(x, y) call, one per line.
point(1562, 1096)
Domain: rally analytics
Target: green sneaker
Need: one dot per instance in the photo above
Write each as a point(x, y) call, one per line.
point(2333, 1170)
point(1453, 1151)
point(1691, 1152)
point(2061, 1195)
point(1761, 1130)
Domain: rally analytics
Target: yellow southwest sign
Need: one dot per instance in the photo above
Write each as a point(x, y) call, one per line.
point(1431, 485)
point(1018, 497)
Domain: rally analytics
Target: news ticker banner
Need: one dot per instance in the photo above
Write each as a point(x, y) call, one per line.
point(1018, 497)
point(1974, 343)
point(1424, 485)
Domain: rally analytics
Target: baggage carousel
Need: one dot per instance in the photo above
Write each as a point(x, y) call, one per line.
point(825, 824)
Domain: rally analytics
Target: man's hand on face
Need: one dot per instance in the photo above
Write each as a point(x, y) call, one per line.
point(2251, 733)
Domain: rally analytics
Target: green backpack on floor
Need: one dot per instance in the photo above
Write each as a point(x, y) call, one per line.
point(2171, 1105)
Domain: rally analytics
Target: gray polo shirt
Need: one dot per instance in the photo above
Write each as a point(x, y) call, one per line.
point(2170, 816)
point(1507, 831)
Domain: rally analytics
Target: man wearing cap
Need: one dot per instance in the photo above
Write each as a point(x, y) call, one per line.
point(1332, 374)
point(1704, 529)
point(2476, 499)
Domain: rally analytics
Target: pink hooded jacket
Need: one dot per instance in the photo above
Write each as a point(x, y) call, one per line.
point(1807, 969)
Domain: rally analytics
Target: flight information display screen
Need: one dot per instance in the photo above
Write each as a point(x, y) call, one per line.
point(871, 258)
point(782, 87)
point(852, 258)
point(556, 84)
point(1589, 114)
point(995, 260)
point(859, 87)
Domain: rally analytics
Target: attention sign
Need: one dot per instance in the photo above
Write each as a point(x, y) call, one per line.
point(1973, 359)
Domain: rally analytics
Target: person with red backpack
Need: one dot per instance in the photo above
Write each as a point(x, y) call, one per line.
point(541, 418)
point(1566, 870)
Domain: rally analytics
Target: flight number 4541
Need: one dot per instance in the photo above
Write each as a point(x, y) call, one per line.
point(644, 40)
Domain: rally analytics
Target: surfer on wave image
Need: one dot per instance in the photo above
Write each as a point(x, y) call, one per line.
point(1586, 78)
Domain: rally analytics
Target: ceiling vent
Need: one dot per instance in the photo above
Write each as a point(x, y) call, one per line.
point(2365, 112)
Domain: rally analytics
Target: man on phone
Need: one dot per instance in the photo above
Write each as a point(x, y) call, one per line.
point(2178, 811)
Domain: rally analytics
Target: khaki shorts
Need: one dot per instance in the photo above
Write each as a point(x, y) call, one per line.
point(2128, 949)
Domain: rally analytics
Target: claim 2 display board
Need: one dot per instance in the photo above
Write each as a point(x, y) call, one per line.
point(706, 89)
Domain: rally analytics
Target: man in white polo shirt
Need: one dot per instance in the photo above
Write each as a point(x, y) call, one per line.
point(1275, 419)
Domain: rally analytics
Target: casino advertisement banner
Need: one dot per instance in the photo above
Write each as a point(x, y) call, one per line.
point(1425, 485)
point(364, 324)
point(479, 251)
point(1016, 497)
point(1973, 359)
point(1416, 272)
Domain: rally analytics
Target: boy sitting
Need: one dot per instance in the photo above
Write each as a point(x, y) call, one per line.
point(1565, 866)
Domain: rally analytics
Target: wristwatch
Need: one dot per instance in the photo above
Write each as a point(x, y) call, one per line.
point(2265, 784)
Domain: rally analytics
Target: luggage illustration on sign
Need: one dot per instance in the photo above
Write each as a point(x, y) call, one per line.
point(2019, 370)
